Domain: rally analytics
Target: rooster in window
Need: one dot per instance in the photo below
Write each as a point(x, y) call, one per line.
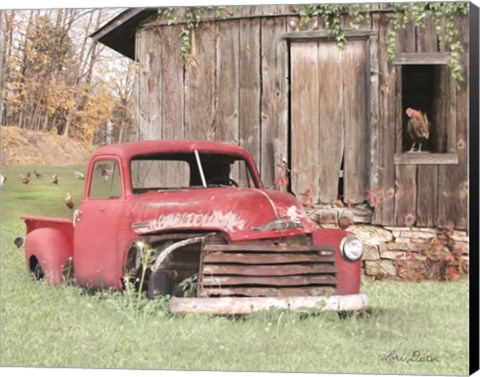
point(418, 128)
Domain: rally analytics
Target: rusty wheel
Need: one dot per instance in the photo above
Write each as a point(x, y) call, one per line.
point(37, 272)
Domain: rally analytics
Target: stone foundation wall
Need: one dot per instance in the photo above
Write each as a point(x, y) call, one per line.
point(412, 254)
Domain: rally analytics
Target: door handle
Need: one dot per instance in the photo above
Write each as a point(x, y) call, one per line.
point(76, 217)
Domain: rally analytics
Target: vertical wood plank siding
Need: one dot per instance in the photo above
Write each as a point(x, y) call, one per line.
point(250, 87)
point(405, 175)
point(330, 106)
point(356, 169)
point(385, 210)
point(172, 88)
point(173, 94)
point(453, 180)
point(238, 86)
point(427, 183)
point(149, 75)
point(274, 106)
point(228, 82)
point(200, 96)
point(305, 118)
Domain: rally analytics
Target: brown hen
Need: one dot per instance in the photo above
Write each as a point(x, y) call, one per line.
point(418, 128)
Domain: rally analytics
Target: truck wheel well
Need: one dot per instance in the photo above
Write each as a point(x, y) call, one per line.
point(181, 264)
point(130, 261)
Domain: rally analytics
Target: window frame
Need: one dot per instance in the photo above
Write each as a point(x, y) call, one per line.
point(450, 157)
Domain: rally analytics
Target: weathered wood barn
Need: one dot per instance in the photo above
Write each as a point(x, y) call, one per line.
point(258, 78)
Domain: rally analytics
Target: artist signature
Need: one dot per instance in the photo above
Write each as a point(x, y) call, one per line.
point(414, 357)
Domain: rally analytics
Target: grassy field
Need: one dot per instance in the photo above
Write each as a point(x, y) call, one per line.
point(410, 328)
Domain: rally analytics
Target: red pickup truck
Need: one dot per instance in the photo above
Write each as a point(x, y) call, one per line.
point(202, 208)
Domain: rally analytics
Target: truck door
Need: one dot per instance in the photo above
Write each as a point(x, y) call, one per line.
point(96, 226)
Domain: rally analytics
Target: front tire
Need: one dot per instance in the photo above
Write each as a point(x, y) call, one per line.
point(158, 284)
point(37, 272)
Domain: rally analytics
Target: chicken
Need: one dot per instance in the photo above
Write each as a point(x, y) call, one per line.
point(55, 179)
point(3, 179)
point(105, 172)
point(69, 201)
point(37, 174)
point(79, 175)
point(418, 128)
point(25, 180)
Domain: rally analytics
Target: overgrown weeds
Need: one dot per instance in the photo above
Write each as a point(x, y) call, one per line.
point(133, 302)
point(445, 258)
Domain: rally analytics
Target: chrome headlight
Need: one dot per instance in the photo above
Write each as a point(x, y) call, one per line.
point(278, 224)
point(351, 248)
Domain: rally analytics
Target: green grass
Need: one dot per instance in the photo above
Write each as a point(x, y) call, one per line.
point(40, 197)
point(61, 327)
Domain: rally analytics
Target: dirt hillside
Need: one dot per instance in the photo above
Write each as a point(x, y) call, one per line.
point(23, 147)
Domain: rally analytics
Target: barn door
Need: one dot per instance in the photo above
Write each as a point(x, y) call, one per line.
point(329, 120)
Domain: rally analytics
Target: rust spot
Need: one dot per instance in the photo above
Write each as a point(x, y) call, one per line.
point(463, 190)
point(410, 219)
point(344, 222)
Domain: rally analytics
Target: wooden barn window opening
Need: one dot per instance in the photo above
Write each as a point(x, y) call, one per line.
point(424, 84)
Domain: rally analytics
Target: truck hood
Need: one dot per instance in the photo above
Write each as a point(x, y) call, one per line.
point(240, 213)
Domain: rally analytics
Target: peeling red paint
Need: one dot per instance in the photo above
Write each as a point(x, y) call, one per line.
point(249, 224)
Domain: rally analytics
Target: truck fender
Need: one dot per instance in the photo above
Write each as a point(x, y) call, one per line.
point(52, 249)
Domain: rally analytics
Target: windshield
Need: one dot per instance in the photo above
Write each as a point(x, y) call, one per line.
point(185, 170)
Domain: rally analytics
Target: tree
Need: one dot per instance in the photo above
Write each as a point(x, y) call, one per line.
point(123, 90)
point(54, 77)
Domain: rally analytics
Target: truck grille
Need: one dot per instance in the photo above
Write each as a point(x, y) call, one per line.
point(267, 270)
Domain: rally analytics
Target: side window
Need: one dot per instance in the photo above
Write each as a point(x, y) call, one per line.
point(106, 180)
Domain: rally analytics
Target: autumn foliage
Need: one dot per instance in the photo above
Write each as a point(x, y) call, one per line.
point(55, 78)
point(443, 252)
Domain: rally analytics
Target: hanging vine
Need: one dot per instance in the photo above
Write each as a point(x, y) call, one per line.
point(442, 15)
point(337, 18)
point(191, 21)
point(448, 34)
point(332, 14)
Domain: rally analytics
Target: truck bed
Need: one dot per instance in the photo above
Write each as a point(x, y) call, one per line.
point(36, 222)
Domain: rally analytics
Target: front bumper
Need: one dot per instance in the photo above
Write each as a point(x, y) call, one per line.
point(247, 305)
